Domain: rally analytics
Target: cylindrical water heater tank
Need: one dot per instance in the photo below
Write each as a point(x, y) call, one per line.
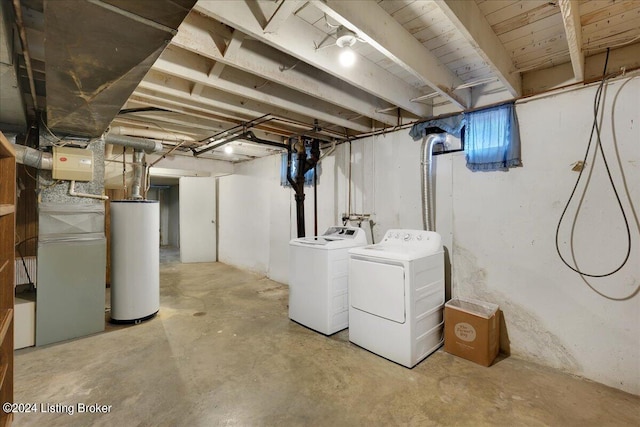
point(135, 260)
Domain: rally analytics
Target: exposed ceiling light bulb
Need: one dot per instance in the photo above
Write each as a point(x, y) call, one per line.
point(228, 149)
point(347, 57)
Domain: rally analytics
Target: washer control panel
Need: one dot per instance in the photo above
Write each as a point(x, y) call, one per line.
point(343, 232)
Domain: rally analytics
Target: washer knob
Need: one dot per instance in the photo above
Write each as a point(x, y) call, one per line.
point(407, 237)
point(419, 237)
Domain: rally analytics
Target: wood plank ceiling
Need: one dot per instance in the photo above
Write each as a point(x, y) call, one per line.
point(272, 66)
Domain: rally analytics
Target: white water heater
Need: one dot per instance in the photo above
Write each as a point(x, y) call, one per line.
point(135, 260)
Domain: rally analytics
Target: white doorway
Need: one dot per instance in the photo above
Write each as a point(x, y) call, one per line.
point(197, 219)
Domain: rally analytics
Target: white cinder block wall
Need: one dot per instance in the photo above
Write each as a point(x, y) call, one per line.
point(499, 227)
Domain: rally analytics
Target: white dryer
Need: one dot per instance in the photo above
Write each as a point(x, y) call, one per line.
point(318, 278)
point(396, 296)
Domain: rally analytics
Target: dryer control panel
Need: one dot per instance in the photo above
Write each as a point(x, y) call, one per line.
point(415, 239)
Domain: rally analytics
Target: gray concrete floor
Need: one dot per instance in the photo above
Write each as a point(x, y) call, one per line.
point(223, 352)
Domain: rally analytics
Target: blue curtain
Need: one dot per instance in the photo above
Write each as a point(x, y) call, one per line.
point(492, 139)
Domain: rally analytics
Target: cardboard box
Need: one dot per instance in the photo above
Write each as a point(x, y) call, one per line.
point(472, 330)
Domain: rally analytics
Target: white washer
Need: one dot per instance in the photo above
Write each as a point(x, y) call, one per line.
point(396, 296)
point(318, 278)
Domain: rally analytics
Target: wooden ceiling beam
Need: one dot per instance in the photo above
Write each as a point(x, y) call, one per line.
point(269, 64)
point(284, 11)
point(573, 29)
point(186, 65)
point(380, 30)
point(472, 24)
point(299, 38)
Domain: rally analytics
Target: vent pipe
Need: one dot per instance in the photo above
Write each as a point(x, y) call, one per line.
point(42, 160)
point(150, 133)
point(428, 190)
point(141, 144)
point(31, 157)
point(138, 168)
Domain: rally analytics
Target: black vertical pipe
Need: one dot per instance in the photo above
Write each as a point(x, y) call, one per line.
point(300, 214)
point(315, 200)
point(315, 157)
point(299, 189)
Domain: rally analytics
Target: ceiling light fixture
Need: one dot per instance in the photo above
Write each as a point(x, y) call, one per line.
point(345, 38)
point(228, 149)
point(347, 57)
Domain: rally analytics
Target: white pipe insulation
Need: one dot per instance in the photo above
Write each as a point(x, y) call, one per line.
point(428, 190)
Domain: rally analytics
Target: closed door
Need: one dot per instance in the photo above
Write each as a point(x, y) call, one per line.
point(197, 219)
point(378, 289)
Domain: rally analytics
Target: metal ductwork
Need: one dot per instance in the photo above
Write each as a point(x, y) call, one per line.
point(96, 54)
point(31, 157)
point(150, 133)
point(138, 174)
point(42, 160)
point(146, 145)
point(428, 190)
point(140, 146)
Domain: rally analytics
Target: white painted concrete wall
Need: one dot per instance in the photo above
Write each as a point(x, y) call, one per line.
point(504, 248)
point(499, 228)
point(244, 211)
point(257, 216)
point(174, 215)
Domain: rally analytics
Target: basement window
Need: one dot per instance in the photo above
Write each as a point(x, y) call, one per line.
point(308, 177)
point(492, 139)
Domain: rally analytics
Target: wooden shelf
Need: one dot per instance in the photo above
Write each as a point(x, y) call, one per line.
point(5, 323)
point(7, 209)
point(7, 250)
point(7, 420)
point(6, 315)
point(6, 148)
point(3, 372)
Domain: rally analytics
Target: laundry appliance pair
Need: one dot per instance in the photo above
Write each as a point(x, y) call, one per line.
point(390, 295)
